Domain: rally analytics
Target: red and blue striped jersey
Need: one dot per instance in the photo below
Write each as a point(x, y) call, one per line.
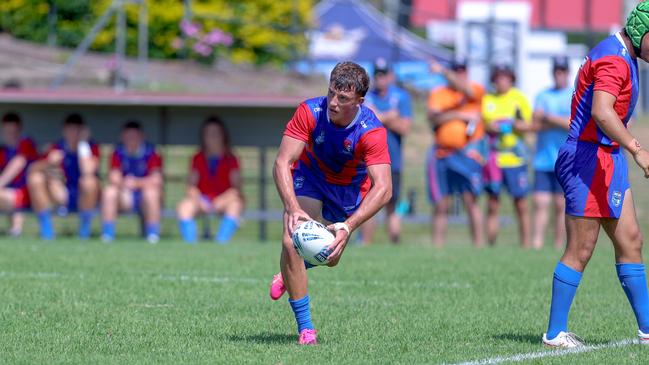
point(141, 164)
point(608, 67)
point(339, 155)
point(25, 148)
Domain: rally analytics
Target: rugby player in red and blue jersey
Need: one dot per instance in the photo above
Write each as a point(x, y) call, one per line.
point(593, 172)
point(134, 183)
point(214, 185)
point(17, 152)
point(66, 177)
point(333, 166)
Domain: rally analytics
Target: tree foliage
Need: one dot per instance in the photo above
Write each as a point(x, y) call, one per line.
point(262, 31)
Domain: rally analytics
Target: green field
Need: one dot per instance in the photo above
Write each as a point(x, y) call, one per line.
point(130, 302)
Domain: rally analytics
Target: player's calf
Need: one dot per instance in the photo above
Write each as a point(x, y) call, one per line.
point(151, 207)
point(186, 212)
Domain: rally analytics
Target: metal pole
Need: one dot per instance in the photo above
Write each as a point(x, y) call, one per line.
point(143, 43)
point(263, 224)
point(120, 48)
point(83, 47)
point(51, 25)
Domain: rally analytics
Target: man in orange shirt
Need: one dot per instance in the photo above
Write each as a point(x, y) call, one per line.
point(455, 161)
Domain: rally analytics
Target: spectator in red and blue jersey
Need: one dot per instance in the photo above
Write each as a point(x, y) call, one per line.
point(214, 184)
point(134, 183)
point(16, 154)
point(66, 178)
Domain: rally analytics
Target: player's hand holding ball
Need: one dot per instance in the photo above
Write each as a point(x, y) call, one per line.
point(341, 232)
point(293, 217)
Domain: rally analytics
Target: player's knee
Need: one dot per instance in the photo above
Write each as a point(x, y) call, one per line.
point(88, 183)
point(151, 194)
point(36, 179)
point(110, 194)
point(185, 210)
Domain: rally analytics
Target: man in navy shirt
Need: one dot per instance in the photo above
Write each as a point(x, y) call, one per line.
point(393, 107)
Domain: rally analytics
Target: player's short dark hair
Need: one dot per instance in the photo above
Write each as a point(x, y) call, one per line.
point(350, 76)
point(132, 124)
point(217, 121)
point(74, 119)
point(12, 117)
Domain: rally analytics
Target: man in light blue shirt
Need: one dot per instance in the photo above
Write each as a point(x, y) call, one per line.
point(393, 107)
point(552, 120)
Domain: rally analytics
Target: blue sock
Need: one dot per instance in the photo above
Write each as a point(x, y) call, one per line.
point(188, 230)
point(634, 282)
point(108, 230)
point(302, 313)
point(564, 286)
point(45, 222)
point(227, 228)
point(152, 228)
point(85, 223)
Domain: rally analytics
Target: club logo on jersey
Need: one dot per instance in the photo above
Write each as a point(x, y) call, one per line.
point(363, 124)
point(298, 182)
point(347, 145)
point(321, 138)
point(616, 198)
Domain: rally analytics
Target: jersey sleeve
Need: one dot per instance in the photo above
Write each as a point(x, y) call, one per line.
point(27, 149)
point(541, 102)
point(301, 125)
point(374, 146)
point(610, 73)
point(115, 161)
point(436, 100)
point(154, 162)
point(525, 108)
point(94, 149)
point(405, 105)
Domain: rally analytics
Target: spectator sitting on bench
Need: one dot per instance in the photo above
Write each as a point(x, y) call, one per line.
point(214, 184)
point(16, 153)
point(66, 177)
point(134, 183)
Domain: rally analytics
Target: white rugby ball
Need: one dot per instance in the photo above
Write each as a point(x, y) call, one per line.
point(311, 240)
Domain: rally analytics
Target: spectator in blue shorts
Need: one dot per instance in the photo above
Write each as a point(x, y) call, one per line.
point(393, 107)
point(552, 120)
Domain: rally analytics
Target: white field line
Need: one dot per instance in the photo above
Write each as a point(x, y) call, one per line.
point(548, 353)
point(227, 279)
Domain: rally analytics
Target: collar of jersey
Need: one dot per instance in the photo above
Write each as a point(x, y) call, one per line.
point(358, 114)
point(619, 38)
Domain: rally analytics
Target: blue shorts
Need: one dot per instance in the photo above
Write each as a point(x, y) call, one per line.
point(73, 198)
point(514, 179)
point(594, 178)
point(338, 201)
point(546, 181)
point(455, 174)
point(137, 201)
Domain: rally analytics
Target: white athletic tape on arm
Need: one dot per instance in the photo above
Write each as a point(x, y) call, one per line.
point(341, 225)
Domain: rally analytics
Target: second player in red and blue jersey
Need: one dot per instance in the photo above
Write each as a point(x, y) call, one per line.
point(134, 183)
point(213, 186)
point(593, 172)
point(66, 178)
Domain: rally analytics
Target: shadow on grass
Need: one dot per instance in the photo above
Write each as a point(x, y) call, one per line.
point(265, 338)
point(517, 337)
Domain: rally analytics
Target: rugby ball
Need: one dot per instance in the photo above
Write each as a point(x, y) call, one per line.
point(311, 240)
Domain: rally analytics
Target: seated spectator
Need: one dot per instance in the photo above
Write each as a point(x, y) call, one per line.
point(16, 153)
point(214, 184)
point(134, 183)
point(66, 178)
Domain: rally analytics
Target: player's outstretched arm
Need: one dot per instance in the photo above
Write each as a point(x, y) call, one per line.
point(609, 122)
point(378, 196)
point(289, 151)
point(14, 167)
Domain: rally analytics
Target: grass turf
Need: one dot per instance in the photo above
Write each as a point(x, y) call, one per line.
point(130, 302)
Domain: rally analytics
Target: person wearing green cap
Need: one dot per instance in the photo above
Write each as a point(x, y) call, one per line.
point(593, 172)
